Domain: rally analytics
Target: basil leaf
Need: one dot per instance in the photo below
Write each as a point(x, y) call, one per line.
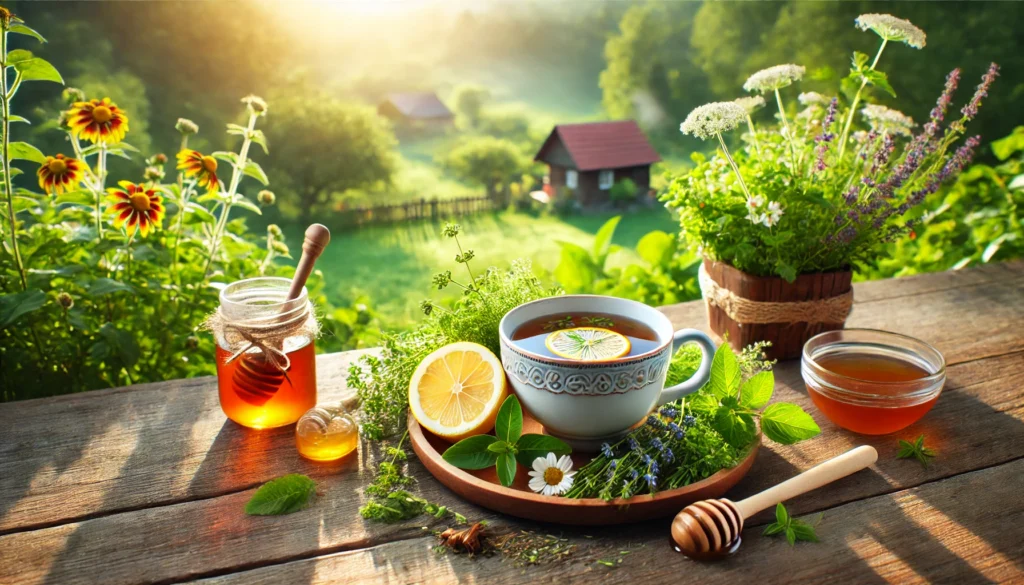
point(533, 446)
point(757, 391)
point(498, 447)
point(737, 429)
point(506, 469)
point(283, 495)
point(509, 424)
point(472, 453)
point(725, 372)
point(787, 423)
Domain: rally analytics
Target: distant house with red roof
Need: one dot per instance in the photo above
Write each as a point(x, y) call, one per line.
point(423, 108)
point(589, 158)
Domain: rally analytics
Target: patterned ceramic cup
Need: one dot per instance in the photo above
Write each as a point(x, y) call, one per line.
point(588, 403)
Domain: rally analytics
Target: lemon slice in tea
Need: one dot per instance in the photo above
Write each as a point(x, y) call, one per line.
point(588, 344)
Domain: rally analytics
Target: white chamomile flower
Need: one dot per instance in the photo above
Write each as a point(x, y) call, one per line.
point(551, 476)
point(712, 119)
point(773, 215)
point(754, 218)
point(773, 78)
point(754, 202)
point(883, 119)
point(751, 104)
point(891, 28)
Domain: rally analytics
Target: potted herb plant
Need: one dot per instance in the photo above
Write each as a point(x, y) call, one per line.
point(783, 220)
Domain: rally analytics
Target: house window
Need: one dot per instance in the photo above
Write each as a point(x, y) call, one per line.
point(605, 179)
point(572, 179)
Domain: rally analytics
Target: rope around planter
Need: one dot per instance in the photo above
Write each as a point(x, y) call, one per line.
point(741, 310)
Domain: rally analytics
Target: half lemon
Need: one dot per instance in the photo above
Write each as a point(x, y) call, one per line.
point(456, 391)
point(588, 344)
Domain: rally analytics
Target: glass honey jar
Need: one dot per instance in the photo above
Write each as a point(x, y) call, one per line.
point(266, 357)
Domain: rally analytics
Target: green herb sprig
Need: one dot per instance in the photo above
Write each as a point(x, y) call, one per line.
point(389, 500)
point(792, 528)
point(916, 450)
point(382, 382)
point(507, 446)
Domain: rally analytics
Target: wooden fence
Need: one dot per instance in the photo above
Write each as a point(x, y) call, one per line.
point(432, 209)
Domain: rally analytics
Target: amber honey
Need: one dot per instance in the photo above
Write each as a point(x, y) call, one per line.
point(872, 394)
point(255, 394)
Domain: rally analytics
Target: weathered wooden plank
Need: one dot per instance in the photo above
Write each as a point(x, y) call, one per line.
point(978, 423)
point(966, 529)
point(81, 454)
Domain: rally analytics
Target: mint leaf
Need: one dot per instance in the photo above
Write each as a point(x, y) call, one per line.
point(725, 372)
point(509, 424)
point(737, 429)
point(472, 453)
point(757, 391)
point(702, 402)
point(533, 446)
point(781, 514)
point(774, 528)
point(506, 469)
point(916, 450)
point(803, 531)
point(787, 423)
point(498, 447)
point(283, 495)
point(790, 535)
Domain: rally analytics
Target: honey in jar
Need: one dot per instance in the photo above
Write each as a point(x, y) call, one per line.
point(266, 359)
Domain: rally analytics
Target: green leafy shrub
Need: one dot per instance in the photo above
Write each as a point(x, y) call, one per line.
point(670, 275)
point(106, 285)
point(624, 191)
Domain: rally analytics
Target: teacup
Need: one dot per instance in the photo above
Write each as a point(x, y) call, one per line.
point(586, 403)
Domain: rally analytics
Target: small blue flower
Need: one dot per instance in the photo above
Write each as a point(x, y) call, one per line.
point(633, 474)
point(668, 456)
point(657, 444)
point(654, 421)
point(679, 435)
point(689, 420)
point(673, 427)
point(606, 450)
point(647, 459)
point(654, 467)
point(633, 445)
point(669, 411)
point(614, 464)
point(652, 480)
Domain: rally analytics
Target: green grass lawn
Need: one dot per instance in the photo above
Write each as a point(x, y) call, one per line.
point(392, 265)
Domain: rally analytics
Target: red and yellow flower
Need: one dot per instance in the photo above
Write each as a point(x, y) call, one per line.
point(204, 168)
point(59, 174)
point(98, 121)
point(135, 207)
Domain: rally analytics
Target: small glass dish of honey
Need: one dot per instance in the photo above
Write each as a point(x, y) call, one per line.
point(872, 382)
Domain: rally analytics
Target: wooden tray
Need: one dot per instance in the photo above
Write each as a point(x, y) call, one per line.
point(483, 489)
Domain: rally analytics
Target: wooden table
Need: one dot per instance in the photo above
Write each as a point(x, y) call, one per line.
point(147, 484)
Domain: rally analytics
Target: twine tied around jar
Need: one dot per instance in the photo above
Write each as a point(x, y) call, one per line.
point(828, 310)
point(254, 328)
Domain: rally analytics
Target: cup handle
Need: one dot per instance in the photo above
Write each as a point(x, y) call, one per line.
point(700, 377)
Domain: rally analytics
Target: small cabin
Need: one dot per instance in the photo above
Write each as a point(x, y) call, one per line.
point(415, 109)
point(589, 158)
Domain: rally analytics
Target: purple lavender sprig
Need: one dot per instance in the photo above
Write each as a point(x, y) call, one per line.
point(971, 109)
point(826, 137)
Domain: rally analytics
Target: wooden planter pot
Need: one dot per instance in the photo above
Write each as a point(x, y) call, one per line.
point(787, 338)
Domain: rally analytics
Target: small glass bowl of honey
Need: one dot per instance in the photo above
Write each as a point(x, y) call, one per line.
point(872, 382)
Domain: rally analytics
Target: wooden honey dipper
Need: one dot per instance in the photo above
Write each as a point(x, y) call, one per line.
point(711, 528)
point(256, 380)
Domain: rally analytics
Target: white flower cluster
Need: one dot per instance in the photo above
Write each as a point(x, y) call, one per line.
point(750, 104)
point(809, 98)
point(883, 119)
point(774, 78)
point(712, 119)
point(759, 213)
point(891, 28)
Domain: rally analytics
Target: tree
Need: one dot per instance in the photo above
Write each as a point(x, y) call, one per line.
point(324, 147)
point(468, 101)
point(485, 160)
